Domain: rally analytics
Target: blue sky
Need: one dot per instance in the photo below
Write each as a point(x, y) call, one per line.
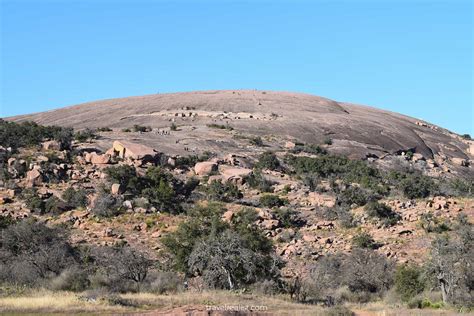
point(413, 57)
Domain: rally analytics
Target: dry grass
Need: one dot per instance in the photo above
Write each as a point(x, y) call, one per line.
point(46, 302)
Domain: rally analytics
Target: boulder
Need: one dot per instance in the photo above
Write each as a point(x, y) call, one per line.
point(115, 189)
point(290, 145)
point(100, 159)
point(227, 216)
point(417, 157)
point(460, 162)
point(134, 151)
point(270, 224)
point(205, 168)
point(52, 145)
point(34, 177)
point(235, 175)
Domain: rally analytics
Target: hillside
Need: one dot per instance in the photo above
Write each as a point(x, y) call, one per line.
point(355, 130)
point(164, 201)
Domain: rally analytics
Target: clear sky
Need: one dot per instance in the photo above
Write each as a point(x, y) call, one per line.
point(413, 57)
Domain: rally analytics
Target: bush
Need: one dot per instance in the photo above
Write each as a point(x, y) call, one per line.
point(126, 176)
point(104, 129)
point(224, 192)
point(31, 251)
point(141, 129)
point(55, 206)
point(270, 200)
point(432, 224)
point(383, 212)
point(6, 220)
point(173, 127)
point(466, 136)
point(122, 265)
point(257, 181)
point(71, 279)
point(256, 141)
point(289, 218)
point(226, 261)
point(352, 195)
point(85, 136)
point(364, 240)
point(164, 282)
point(75, 198)
point(309, 149)
point(268, 160)
point(221, 126)
point(107, 205)
point(408, 282)
point(17, 135)
point(415, 186)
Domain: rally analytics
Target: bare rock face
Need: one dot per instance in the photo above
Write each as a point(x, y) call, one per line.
point(205, 168)
point(284, 118)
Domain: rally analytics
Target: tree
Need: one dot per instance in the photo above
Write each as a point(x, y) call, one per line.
point(268, 160)
point(224, 261)
point(408, 281)
point(32, 251)
point(451, 265)
point(125, 263)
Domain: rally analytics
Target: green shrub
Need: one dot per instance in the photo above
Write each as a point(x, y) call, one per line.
point(270, 200)
point(408, 282)
point(55, 206)
point(220, 126)
point(126, 176)
point(383, 212)
point(268, 160)
point(17, 135)
point(224, 192)
point(466, 136)
point(104, 129)
point(289, 218)
point(85, 135)
point(309, 149)
point(173, 127)
point(257, 181)
point(327, 141)
point(432, 224)
point(126, 130)
point(364, 240)
point(415, 186)
point(352, 195)
point(75, 198)
point(256, 141)
point(6, 220)
point(142, 129)
point(107, 205)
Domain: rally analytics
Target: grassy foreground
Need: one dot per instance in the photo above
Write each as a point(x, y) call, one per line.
point(189, 303)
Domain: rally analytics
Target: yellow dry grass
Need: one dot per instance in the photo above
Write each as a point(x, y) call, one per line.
point(46, 302)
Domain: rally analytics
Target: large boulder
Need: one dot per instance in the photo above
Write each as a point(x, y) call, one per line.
point(205, 168)
point(234, 174)
point(133, 151)
point(34, 177)
point(52, 145)
point(100, 159)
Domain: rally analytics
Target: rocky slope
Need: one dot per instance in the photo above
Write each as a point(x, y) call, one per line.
point(355, 130)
